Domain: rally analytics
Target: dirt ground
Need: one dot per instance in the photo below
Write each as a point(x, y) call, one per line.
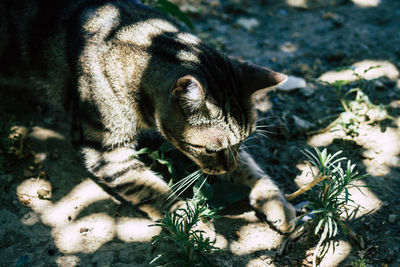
point(53, 214)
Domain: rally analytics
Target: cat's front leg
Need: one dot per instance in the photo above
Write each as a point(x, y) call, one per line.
point(128, 177)
point(265, 196)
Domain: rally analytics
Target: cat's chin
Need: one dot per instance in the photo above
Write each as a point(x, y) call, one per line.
point(213, 171)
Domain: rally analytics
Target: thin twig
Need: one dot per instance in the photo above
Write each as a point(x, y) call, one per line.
point(305, 188)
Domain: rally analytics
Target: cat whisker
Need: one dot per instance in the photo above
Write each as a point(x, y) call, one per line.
point(262, 126)
point(181, 186)
point(262, 134)
point(268, 118)
point(184, 179)
point(264, 131)
point(248, 147)
point(232, 154)
point(198, 190)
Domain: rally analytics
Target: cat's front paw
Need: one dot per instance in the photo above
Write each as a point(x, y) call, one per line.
point(272, 203)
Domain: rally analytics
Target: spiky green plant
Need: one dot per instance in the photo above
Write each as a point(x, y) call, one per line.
point(190, 247)
point(357, 110)
point(330, 200)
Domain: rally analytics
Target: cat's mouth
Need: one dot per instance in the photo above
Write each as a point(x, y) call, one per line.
point(211, 167)
point(213, 171)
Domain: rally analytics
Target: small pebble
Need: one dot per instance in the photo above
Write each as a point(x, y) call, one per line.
point(292, 83)
point(392, 218)
point(248, 23)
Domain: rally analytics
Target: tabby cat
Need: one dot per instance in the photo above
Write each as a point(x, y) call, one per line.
point(119, 68)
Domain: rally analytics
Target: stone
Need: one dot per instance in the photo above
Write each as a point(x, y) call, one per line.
point(392, 218)
point(302, 4)
point(302, 124)
point(248, 23)
point(292, 83)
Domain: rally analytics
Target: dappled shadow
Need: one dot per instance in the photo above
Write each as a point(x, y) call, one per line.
point(82, 219)
point(374, 148)
point(279, 156)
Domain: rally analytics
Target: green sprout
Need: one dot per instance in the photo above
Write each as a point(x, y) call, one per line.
point(359, 263)
point(329, 201)
point(359, 110)
point(190, 246)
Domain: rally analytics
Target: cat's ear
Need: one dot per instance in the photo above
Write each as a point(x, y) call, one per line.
point(189, 93)
point(257, 77)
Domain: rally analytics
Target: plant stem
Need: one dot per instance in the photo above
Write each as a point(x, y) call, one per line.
point(305, 188)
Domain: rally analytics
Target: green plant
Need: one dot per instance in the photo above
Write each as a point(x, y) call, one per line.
point(190, 246)
point(357, 110)
point(330, 201)
point(171, 9)
point(12, 141)
point(359, 263)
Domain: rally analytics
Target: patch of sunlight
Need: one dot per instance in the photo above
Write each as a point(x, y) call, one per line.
point(254, 236)
point(69, 207)
point(143, 32)
point(186, 56)
point(297, 3)
point(188, 38)
point(338, 251)
point(259, 262)
point(42, 134)
point(220, 241)
point(136, 229)
point(365, 198)
point(381, 149)
point(100, 24)
point(68, 260)
point(386, 69)
point(367, 3)
point(28, 194)
point(86, 235)
point(326, 138)
point(305, 176)
point(368, 202)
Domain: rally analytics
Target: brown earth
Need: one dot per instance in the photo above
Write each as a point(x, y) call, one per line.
point(53, 214)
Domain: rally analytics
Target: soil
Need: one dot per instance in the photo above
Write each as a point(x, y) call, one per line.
point(53, 214)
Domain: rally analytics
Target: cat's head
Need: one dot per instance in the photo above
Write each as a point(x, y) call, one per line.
point(209, 114)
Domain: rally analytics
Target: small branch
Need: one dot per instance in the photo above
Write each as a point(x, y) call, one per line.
point(305, 188)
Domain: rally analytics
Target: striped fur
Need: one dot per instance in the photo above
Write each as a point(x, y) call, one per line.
point(119, 68)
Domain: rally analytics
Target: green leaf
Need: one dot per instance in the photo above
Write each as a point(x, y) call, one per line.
point(344, 68)
point(172, 9)
point(164, 161)
point(202, 189)
point(372, 67)
point(144, 150)
point(318, 226)
point(340, 83)
point(166, 146)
